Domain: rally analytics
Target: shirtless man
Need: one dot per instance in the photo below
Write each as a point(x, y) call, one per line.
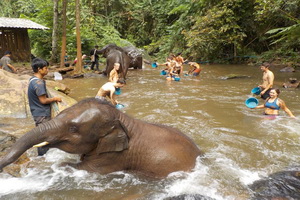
point(268, 80)
point(108, 90)
point(113, 75)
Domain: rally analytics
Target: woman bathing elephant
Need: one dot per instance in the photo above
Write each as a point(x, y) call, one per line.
point(115, 54)
point(109, 140)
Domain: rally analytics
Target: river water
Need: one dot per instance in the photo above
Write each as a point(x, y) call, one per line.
point(240, 144)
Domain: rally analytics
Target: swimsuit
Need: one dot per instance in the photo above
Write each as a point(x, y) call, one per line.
point(272, 105)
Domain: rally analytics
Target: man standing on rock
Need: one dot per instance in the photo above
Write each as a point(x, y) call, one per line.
point(39, 101)
point(268, 80)
point(5, 63)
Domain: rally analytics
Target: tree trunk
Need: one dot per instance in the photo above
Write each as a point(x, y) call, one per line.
point(78, 68)
point(64, 33)
point(54, 55)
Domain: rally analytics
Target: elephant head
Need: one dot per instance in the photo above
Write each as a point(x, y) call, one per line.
point(136, 57)
point(109, 140)
point(77, 131)
point(115, 54)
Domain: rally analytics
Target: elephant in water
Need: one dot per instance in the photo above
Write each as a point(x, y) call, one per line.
point(109, 140)
point(115, 54)
point(136, 57)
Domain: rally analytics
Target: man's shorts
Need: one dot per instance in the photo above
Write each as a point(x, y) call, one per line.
point(266, 94)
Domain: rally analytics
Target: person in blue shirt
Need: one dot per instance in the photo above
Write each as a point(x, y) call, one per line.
point(39, 101)
point(273, 104)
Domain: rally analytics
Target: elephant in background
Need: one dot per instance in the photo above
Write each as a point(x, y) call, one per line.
point(109, 140)
point(115, 54)
point(136, 57)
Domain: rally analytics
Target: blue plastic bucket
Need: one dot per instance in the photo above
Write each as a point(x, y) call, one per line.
point(176, 79)
point(256, 91)
point(163, 72)
point(120, 106)
point(118, 91)
point(154, 65)
point(251, 102)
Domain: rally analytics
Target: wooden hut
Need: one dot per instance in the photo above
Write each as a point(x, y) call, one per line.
point(14, 37)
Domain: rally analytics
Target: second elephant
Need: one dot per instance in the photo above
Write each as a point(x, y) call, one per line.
point(136, 57)
point(115, 54)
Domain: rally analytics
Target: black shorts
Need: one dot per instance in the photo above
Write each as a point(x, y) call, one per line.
point(266, 94)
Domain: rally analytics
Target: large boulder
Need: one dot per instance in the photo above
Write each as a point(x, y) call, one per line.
point(292, 83)
point(288, 69)
point(13, 95)
point(280, 185)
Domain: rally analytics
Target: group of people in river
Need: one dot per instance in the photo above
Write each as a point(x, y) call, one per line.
point(272, 102)
point(174, 67)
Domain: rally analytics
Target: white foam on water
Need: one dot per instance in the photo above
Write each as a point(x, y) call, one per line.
point(32, 182)
point(196, 182)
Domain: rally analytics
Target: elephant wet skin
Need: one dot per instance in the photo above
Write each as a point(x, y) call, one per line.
point(109, 140)
point(115, 54)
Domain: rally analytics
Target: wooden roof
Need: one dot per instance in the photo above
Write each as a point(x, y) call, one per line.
point(6, 22)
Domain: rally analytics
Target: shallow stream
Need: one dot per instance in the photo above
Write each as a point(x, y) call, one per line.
point(240, 144)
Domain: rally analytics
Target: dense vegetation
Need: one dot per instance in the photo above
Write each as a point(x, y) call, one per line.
point(214, 30)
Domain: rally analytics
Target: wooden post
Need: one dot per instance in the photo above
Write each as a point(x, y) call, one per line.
point(64, 33)
point(78, 68)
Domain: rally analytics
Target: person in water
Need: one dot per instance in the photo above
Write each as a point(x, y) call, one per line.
point(195, 69)
point(114, 75)
point(273, 104)
point(108, 90)
point(268, 80)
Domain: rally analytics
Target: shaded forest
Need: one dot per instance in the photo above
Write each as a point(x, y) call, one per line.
point(222, 31)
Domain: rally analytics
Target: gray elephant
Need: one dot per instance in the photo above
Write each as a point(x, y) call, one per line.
point(109, 140)
point(115, 54)
point(136, 57)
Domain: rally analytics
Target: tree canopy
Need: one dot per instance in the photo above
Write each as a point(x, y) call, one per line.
point(214, 30)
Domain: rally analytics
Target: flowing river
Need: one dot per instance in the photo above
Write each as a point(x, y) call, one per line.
point(240, 144)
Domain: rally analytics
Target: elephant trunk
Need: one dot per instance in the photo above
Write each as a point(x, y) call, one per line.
point(31, 138)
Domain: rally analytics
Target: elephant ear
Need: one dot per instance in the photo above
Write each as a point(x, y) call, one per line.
point(115, 140)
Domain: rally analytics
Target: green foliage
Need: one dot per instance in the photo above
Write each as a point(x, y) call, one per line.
point(216, 33)
point(215, 30)
point(8, 8)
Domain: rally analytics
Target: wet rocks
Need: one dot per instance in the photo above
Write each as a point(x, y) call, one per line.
point(288, 69)
point(292, 83)
point(6, 141)
point(234, 76)
point(279, 185)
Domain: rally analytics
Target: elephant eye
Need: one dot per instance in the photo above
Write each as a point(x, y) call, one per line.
point(73, 129)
